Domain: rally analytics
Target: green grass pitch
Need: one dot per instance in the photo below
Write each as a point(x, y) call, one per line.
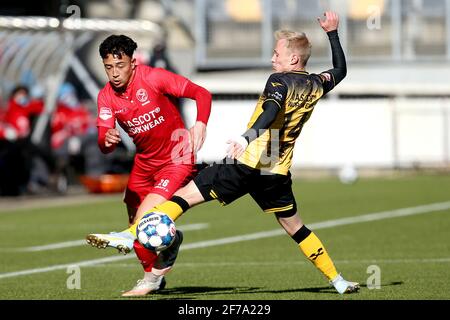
point(411, 252)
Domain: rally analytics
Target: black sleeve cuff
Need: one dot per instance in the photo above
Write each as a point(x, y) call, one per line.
point(332, 34)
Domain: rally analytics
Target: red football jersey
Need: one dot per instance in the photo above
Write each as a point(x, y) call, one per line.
point(146, 111)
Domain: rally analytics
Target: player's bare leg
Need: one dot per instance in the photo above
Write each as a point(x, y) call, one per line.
point(149, 202)
point(190, 194)
point(315, 251)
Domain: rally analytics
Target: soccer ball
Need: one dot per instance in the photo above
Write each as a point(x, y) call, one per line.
point(348, 174)
point(156, 231)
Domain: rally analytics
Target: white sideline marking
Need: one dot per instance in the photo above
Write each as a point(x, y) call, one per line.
point(62, 266)
point(52, 246)
point(77, 243)
point(440, 206)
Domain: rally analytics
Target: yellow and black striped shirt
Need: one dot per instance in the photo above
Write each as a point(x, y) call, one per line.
point(296, 93)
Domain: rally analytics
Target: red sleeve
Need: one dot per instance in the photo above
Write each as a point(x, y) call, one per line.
point(105, 120)
point(105, 114)
point(203, 99)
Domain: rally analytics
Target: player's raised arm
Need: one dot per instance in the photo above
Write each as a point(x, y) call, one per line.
point(333, 76)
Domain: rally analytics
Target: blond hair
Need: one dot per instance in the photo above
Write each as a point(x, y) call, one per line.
point(297, 42)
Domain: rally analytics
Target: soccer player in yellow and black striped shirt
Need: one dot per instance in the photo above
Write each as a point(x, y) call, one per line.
point(258, 162)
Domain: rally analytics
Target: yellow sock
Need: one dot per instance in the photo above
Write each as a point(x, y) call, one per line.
point(172, 209)
point(132, 229)
point(315, 251)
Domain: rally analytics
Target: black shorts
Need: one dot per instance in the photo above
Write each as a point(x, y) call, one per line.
point(227, 182)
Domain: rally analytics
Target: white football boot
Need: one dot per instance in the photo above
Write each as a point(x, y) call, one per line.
point(146, 286)
point(343, 286)
point(164, 262)
point(122, 241)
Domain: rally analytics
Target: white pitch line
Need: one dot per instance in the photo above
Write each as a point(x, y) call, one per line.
point(77, 243)
point(52, 246)
point(84, 263)
point(440, 206)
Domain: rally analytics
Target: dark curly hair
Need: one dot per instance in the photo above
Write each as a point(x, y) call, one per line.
point(117, 45)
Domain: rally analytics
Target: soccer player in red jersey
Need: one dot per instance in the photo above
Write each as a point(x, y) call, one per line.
point(141, 100)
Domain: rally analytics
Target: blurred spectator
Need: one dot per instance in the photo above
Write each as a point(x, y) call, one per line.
point(70, 122)
point(159, 57)
point(16, 122)
point(74, 136)
point(16, 151)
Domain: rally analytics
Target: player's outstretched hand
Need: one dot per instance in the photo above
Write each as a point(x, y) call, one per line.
point(236, 147)
point(112, 137)
point(197, 135)
point(331, 21)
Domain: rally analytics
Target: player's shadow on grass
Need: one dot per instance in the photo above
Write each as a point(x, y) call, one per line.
point(194, 292)
point(327, 289)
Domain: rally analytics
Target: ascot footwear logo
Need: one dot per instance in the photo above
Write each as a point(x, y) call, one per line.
point(142, 95)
